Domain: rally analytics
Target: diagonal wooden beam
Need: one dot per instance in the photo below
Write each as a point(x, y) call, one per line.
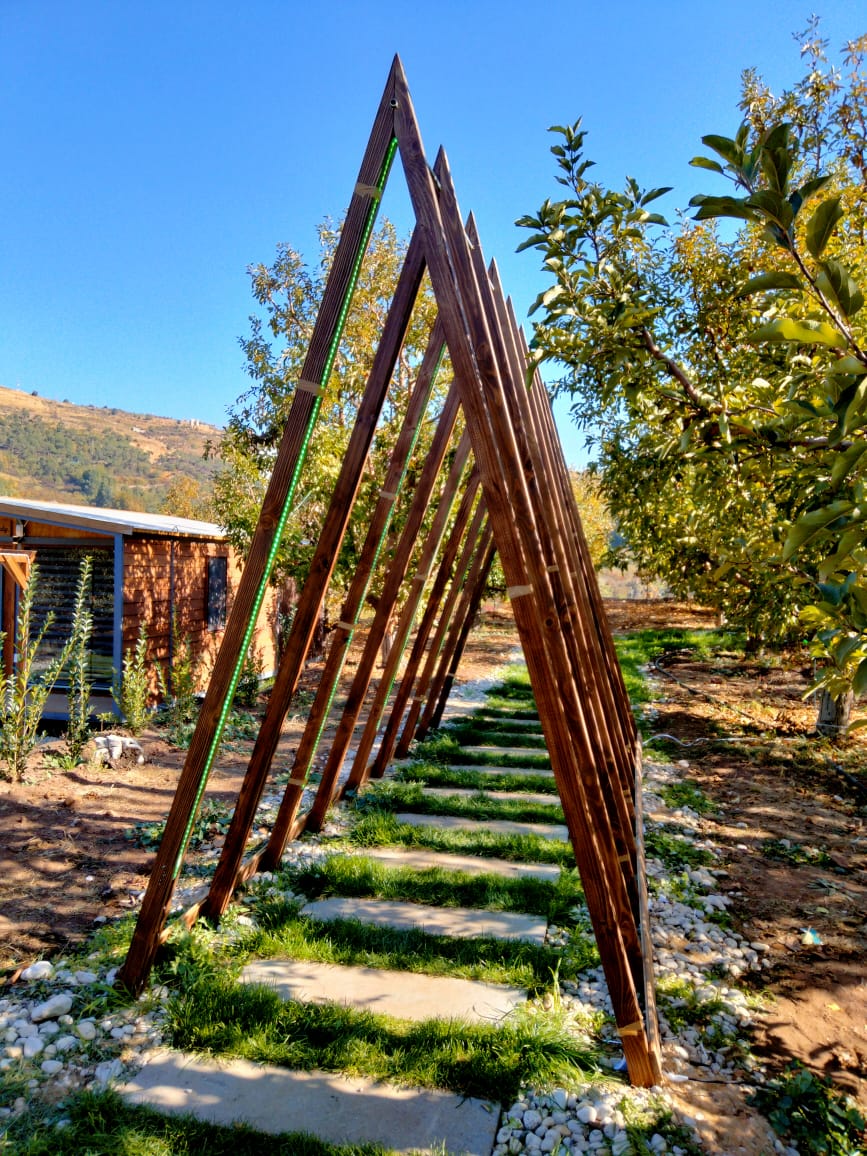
point(248, 599)
point(322, 566)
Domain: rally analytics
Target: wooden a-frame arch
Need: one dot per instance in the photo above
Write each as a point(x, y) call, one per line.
point(501, 486)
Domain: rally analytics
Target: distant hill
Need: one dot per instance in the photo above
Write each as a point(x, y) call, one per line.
point(97, 455)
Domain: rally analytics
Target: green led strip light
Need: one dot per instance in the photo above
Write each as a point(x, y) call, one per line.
point(281, 524)
point(373, 566)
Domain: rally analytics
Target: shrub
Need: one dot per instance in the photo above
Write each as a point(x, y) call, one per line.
point(132, 695)
point(22, 697)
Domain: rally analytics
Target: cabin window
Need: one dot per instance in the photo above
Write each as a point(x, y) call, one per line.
point(218, 573)
point(54, 603)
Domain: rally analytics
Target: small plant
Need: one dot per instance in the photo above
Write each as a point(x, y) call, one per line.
point(178, 684)
point(686, 793)
point(785, 851)
point(78, 694)
point(133, 693)
point(23, 697)
point(250, 678)
point(809, 1111)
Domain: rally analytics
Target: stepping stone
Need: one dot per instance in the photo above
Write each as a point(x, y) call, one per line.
point(517, 796)
point(474, 864)
point(337, 1109)
point(458, 922)
point(404, 994)
point(494, 826)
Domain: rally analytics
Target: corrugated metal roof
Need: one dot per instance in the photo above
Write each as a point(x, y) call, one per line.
point(108, 521)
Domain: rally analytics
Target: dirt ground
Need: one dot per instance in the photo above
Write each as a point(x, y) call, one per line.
point(795, 841)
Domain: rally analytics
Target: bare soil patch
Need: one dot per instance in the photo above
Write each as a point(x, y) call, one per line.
point(795, 842)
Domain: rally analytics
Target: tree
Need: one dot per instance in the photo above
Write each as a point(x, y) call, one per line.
point(289, 291)
point(596, 520)
point(727, 367)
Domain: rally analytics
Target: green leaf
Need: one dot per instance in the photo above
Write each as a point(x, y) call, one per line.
point(710, 207)
point(654, 193)
point(800, 332)
point(849, 365)
point(773, 205)
point(723, 146)
point(859, 682)
point(822, 225)
point(762, 282)
point(707, 163)
point(845, 462)
point(837, 283)
point(807, 527)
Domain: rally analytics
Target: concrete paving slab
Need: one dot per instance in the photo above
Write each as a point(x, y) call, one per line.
point(337, 1109)
point(494, 826)
point(474, 864)
point(517, 796)
point(457, 922)
point(404, 994)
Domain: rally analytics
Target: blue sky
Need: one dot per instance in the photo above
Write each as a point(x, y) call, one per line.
point(153, 150)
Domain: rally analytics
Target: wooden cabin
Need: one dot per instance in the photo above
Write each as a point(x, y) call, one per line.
point(175, 575)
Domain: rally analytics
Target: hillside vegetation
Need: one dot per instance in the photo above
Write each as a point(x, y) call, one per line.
point(96, 455)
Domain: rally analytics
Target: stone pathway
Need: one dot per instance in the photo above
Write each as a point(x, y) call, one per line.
point(344, 1110)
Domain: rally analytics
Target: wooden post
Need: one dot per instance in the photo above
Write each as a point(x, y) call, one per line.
point(360, 771)
point(394, 577)
point(251, 588)
point(475, 591)
point(426, 628)
point(505, 477)
point(321, 569)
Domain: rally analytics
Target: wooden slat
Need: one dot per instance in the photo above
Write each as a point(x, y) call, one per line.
point(155, 906)
point(452, 569)
point(508, 500)
point(391, 585)
point(360, 771)
point(315, 587)
point(343, 632)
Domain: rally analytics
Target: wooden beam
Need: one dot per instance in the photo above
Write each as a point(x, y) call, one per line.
point(251, 588)
point(315, 587)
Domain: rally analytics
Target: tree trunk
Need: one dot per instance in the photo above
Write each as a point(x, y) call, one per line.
point(834, 714)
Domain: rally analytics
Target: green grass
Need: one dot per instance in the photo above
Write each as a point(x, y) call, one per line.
point(507, 714)
point(283, 933)
point(639, 649)
point(444, 749)
point(223, 1017)
point(381, 829)
point(478, 732)
point(393, 796)
point(686, 793)
point(436, 775)
point(358, 876)
point(101, 1124)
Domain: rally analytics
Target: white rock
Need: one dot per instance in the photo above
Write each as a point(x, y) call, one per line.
point(51, 1067)
point(87, 1030)
point(586, 1113)
point(58, 1005)
point(42, 969)
point(83, 977)
point(532, 1119)
point(108, 1070)
point(32, 1046)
